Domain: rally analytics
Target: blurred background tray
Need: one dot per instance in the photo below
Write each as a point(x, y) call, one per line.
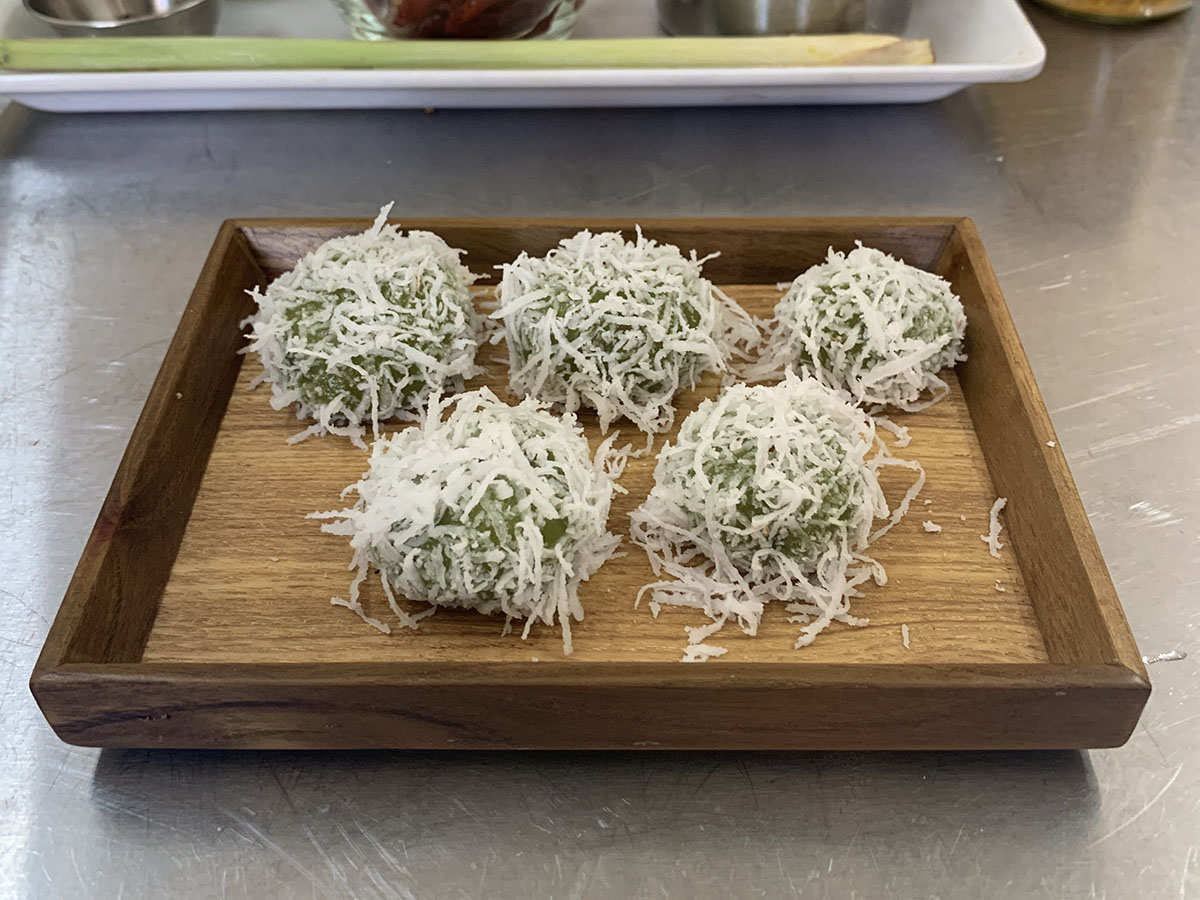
point(980, 41)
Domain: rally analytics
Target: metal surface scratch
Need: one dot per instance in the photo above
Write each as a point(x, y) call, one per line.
point(257, 834)
point(1141, 812)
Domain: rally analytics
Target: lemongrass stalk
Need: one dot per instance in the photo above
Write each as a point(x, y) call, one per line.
point(209, 53)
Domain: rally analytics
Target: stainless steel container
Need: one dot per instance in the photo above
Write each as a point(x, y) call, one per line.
point(127, 18)
point(783, 16)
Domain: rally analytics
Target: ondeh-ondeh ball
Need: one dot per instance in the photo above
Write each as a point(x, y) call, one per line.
point(616, 326)
point(768, 493)
point(367, 327)
point(871, 325)
point(496, 508)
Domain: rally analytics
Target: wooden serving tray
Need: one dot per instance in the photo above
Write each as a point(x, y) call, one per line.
point(199, 614)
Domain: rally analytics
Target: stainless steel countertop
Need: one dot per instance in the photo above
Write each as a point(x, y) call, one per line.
point(1086, 186)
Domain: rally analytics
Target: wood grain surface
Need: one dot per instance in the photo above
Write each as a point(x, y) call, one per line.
point(199, 613)
point(253, 577)
point(1077, 605)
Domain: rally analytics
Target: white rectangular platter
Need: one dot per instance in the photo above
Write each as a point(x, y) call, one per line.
point(976, 41)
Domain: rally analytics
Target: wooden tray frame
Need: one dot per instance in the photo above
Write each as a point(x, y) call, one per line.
point(94, 689)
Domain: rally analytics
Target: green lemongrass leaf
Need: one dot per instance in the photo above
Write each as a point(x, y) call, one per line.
point(139, 54)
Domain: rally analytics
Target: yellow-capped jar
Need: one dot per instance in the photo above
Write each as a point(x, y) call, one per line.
point(1118, 11)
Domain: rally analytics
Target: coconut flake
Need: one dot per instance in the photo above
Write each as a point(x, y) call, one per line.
point(702, 652)
point(904, 636)
point(992, 538)
point(903, 438)
point(931, 527)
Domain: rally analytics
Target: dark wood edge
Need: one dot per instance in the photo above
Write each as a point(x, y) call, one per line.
point(691, 223)
point(705, 235)
point(193, 425)
point(421, 706)
point(1106, 607)
point(614, 674)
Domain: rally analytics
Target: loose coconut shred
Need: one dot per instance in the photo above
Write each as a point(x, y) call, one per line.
point(992, 538)
point(768, 494)
point(366, 327)
point(869, 324)
point(497, 508)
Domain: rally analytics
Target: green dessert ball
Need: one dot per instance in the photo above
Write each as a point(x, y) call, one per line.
point(871, 325)
point(767, 494)
point(495, 508)
point(366, 327)
point(616, 326)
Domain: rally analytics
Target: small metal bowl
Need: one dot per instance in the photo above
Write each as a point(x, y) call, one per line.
point(127, 18)
point(754, 17)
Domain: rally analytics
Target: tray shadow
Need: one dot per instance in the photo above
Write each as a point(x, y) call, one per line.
point(378, 807)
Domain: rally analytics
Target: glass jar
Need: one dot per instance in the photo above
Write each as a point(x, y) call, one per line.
point(468, 19)
point(1118, 11)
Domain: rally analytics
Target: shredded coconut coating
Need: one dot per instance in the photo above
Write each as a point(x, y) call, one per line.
point(366, 327)
point(871, 325)
point(496, 508)
point(768, 494)
point(620, 327)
